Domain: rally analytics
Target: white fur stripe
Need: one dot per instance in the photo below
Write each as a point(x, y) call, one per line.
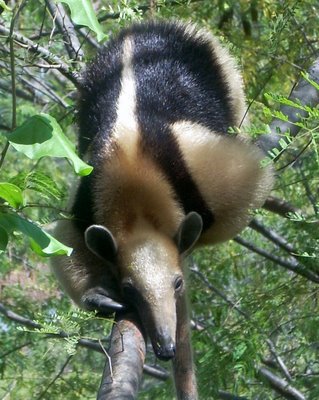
point(126, 130)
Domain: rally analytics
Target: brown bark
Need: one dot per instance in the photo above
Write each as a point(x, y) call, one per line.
point(124, 360)
point(280, 206)
point(183, 366)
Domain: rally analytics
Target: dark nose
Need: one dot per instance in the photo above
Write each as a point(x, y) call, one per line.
point(164, 347)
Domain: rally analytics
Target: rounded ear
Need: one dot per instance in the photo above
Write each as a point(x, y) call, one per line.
point(101, 242)
point(189, 232)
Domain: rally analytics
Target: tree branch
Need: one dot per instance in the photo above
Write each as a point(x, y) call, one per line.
point(291, 264)
point(272, 236)
point(123, 371)
point(278, 359)
point(66, 27)
point(280, 206)
point(42, 394)
point(43, 53)
point(5, 86)
point(229, 396)
point(194, 268)
point(281, 385)
point(17, 318)
point(89, 344)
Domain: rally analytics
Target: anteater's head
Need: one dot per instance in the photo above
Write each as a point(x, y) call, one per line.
point(149, 267)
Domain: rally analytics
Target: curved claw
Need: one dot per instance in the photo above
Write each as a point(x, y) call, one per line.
point(102, 303)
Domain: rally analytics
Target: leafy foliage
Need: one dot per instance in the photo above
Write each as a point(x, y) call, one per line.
point(82, 13)
point(251, 308)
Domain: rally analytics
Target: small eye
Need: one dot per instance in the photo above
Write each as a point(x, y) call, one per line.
point(178, 285)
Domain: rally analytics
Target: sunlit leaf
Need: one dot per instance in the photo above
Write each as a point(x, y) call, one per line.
point(11, 193)
point(42, 136)
point(82, 13)
point(4, 6)
point(41, 242)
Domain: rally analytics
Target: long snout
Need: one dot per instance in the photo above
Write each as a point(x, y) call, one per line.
point(160, 326)
point(163, 345)
point(157, 310)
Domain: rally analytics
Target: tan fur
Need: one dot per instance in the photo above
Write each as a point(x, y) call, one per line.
point(229, 177)
point(134, 190)
point(151, 261)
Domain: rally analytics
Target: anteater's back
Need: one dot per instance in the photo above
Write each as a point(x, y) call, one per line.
point(159, 99)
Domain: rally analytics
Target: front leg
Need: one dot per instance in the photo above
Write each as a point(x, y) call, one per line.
point(183, 366)
point(86, 278)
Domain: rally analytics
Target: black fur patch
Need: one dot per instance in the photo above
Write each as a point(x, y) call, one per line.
point(98, 96)
point(178, 78)
point(82, 209)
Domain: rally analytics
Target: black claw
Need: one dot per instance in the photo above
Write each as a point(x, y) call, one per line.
point(102, 303)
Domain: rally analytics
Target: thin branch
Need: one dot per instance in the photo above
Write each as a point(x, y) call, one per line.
point(41, 396)
point(272, 236)
point(88, 37)
point(281, 385)
point(47, 90)
point(5, 128)
point(229, 396)
point(21, 346)
point(194, 268)
point(13, 83)
point(291, 264)
point(6, 87)
point(66, 27)
point(311, 197)
point(18, 318)
point(279, 360)
point(156, 372)
point(43, 53)
point(34, 88)
point(280, 206)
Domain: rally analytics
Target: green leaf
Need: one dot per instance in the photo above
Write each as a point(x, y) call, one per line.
point(4, 6)
point(283, 143)
point(284, 101)
point(42, 136)
point(39, 182)
point(11, 193)
point(306, 76)
point(41, 242)
point(82, 13)
point(239, 351)
point(280, 115)
point(3, 239)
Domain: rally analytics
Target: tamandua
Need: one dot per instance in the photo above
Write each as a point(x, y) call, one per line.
point(154, 112)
